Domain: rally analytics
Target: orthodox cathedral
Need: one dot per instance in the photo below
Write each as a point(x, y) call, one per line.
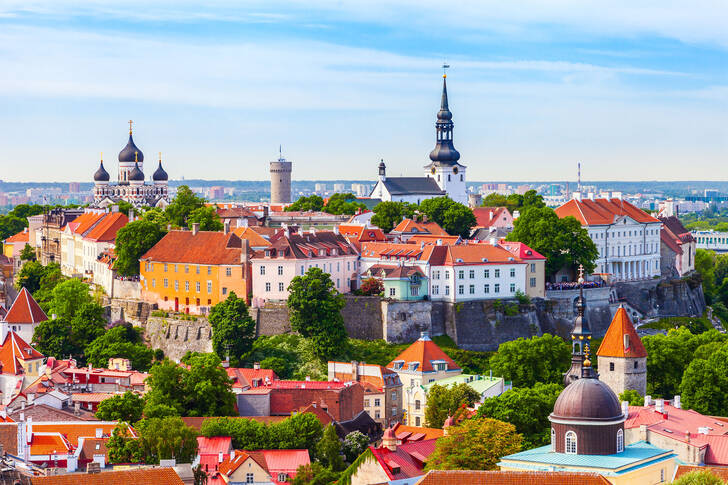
point(131, 186)
point(444, 176)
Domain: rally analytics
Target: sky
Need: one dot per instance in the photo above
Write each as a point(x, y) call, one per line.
point(633, 90)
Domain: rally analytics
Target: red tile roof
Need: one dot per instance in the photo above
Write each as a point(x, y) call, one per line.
point(521, 251)
point(405, 433)
point(13, 350)
point(206, 247)
point(434, 239)
point(157, 476)
point(246, 377)
point(423, 351)
point(677, 228)
point(602, 211)
point(487, 216)
point(307, 245)
point(73, 430)
point(671, 240)
point(108, 226)
point(22, 236)
point(92, 397)
point(254, 239)
point(406, 460)
point(214, 445)
point(479, 253)
point(46, 444)
point(613, 343)
point(408, 226)
point(84, 223)
point(25, 309)
point(479, 477)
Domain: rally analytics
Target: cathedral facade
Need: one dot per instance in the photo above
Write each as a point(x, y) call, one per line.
point(130, 185)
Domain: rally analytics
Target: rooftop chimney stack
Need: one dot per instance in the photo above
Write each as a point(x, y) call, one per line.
point(625, 408)
point(195, 228)
point(676, 402)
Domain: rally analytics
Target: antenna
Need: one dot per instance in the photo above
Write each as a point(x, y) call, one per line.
point(280, 152)
point(578, 175)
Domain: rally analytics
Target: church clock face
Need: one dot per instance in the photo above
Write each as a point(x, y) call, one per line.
point(433, 170)
point(455, 170)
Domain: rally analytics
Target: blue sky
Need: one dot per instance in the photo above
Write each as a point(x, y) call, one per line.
point(635, 90)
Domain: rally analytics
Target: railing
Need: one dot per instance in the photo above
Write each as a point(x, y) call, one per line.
point(573, 285)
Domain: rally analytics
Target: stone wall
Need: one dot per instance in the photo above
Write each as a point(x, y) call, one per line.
point(135, 312)
point(363, 317)
point(176, 337)
point(678, 297)
point(127, 289)
point(598, 307)
point(403, 321)
point(272, 319)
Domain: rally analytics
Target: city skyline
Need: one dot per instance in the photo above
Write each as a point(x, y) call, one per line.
point(532, 89)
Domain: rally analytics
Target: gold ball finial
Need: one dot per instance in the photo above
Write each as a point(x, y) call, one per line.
point(102, 156)
point(130, 123)
point(160, 157)
point(587, 363)
point(136, 157)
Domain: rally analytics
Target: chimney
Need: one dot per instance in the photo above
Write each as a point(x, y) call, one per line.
point(99, 432)
point(439, 242)
point(256, 365)
point(22, 417)
point(336, 230)
point(648, 400)
point(676, 402)
point(220, 457)
point(687, 436)
point(77, 408)
point(226, 226)
point(643, 432)
point(244, 257)
point(169, 227)
point(195, 228)
point(625, 408)
point(493, 241)
point(490, 215)
point(660, 405)
point(354, 370)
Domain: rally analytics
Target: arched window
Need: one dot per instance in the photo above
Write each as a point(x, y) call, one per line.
point(553, 439)
point(620, 441)
point(570, 446)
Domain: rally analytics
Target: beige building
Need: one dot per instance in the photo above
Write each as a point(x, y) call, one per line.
point(423, 362)
point(382, 389)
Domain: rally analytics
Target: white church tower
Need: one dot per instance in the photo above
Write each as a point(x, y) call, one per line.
point(444, 168)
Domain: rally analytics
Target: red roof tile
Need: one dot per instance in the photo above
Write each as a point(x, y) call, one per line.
point(614, 343)
point(521, 250)
point(84, 223)
point(423, 351)
point(157, 476)
point(25, 309)
point(406, 460)
point(13, 350)
point(671, 240)
point(602, 211)
point(205, 247)
point(214, 445)
point(21, 237)
point(107, 227)
point(487, 216)
point(720, 472)
point(408, 226)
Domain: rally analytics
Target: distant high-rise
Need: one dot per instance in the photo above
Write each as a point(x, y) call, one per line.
point(280, 181)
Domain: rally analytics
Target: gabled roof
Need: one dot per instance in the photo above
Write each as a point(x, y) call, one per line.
point(521, 251)
point(157, 476)
point(416, 433)
point(13, 350)
point(407, 226)
point(395, 271)
point(435, 239)
point(423, 351)
point(308, 245)
point(205, 247)
point(25, 309)
point(480, 477)
point(49, 443)
point(412, 185)
point(244, 377)
point(254, 239)
point(671, 240)
point(479, 253)
point(107, 227)
point(21, 237)
point(677, 228)
point(602, 211)
point(406, 461)
point(613, 343)
point(84, 223)
point(487, 216)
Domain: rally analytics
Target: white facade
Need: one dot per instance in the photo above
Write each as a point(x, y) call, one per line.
point(628, 250)
point(477, 282)
point(451, 179)
point(712, 240)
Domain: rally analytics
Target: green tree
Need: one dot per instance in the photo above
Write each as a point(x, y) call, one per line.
point(314, 474)
point(328, 450)
point(704, 384)
point(355, 443)
point(343, 204)
point(184, 203)
point(315, 312)
point(455, 218)
point(312, 203)
point(632, 397)
point(388, 214)
point(699, 478)
point(562, 241)
point(28, 253)
point(207, 390)
point(122, 446)
point(124, 207)
point(276, 364)
point(124, 341)
point(233, 330)
point(532, 199)
point(166, 438)
point(10, 225)
point(207, 218)
point(444, 401)
point(496, 200)
point(165, 389)
point(200, 476)
point(69, 296)
point(528, 361)
point(526, 408)
point(30, 276)
point(50, 278)
point(475, 444)
point(125, 407)
point(50, 338)
point(705, 265)
point(132, 241)
point(371, 286)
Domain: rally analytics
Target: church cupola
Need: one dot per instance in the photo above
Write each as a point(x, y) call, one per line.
point(136, 175)
point(160, 175)
point(580, 337)
point(101, 176)
point(382, 171)
point(444, 151)
point(130, 153)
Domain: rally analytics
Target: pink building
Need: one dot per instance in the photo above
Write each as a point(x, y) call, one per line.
point(293, 253)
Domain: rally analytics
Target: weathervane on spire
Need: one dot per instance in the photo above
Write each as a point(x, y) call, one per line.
point(445, 67)
point(130, 123)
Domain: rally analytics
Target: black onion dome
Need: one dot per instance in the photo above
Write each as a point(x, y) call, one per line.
point(160, 174)
point(101, 174)
point(444, 114)
point(136, 174)
point(587, 399)
point(131, 153)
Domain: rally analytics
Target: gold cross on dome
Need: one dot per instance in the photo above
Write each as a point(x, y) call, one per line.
point(130, 123)
point(581, 271)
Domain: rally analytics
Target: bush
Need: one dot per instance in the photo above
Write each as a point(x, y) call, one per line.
point(522, 298)
point(511, 310)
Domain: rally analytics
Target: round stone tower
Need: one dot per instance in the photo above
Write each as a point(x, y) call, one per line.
point(280, 181)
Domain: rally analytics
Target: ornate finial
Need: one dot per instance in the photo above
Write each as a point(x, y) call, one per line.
point(130, 123)
point(445, 67)
point(581, 274)
point(136, 157)
point(102, 157)
point(160, 157)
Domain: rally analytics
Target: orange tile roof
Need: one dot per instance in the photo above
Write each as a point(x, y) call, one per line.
point(84, 222)
point(720, 472)
point(486, 216)
point(521, 250)
point(424, 351)
point(73, 430)
point(157, 476)
point(409, 226)
point(254, 239)
point(25, 309)
point(479, 477)
point(481, 253)
point(206, 247)
point(427, 433)
point(92, 397)
point(602, 211)
point(614, 341)
point(107, 227)
point(433, 239)
point(22, 236)
point(48, 444)
point(13, 350)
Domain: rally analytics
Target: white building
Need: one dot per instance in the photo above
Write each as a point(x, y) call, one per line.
point(628, 239)
point(443, 175)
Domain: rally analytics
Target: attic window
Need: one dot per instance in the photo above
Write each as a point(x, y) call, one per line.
point(529, 252)
point(413, 365)
point(626, 341)
point(459, 260)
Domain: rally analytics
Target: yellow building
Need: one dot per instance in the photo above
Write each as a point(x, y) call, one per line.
point(194, 270)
